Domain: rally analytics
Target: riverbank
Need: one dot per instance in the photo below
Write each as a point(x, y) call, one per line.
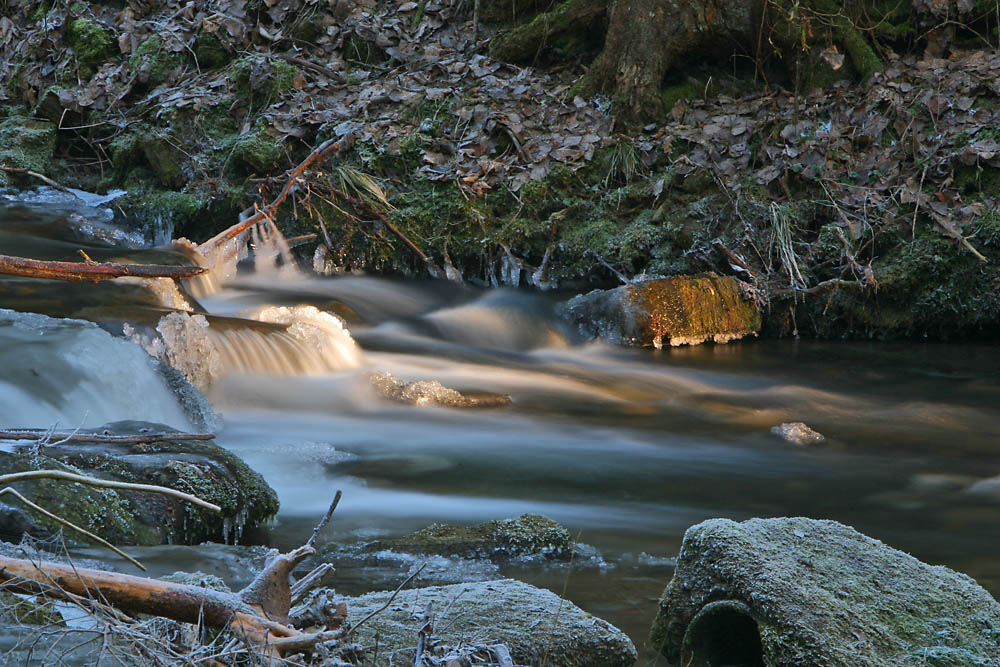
point(858, 210)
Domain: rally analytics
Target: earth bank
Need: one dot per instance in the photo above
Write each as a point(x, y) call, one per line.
point(851, 209)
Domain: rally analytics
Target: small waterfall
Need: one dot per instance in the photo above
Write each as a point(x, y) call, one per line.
point(275, 340)
point(74, 374)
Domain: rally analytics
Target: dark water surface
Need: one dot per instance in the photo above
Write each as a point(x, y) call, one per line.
point(627, 448)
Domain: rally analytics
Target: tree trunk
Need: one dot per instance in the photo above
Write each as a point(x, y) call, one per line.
point(646, 37)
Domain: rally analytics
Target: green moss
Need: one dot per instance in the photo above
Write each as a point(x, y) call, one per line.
point(40, 11)
point(264, 79)
point(92, 44)
point(209, 50)
point(151, 64)
point(18, 610)
point(529, 534)
point(27, 143)
point(685, 90)
point(256, 151)
point(164, 158)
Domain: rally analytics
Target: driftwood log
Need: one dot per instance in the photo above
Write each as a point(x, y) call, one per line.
point(91, 271)
point(258, 614)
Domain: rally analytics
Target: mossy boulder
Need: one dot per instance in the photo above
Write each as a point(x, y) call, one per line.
point(198, 467)
point(151, 64)
point(527, 535)
point(536, 625)
point(91, 43)
point(27, 143)
point(165, 159)
point(681, 310)
point(256, 151)
point(795, 591)
point(210, 51)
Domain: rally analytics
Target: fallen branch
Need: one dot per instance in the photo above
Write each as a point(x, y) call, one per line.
point(89, 272)
point(258, 614)
point(319, 154)
point(35, 434)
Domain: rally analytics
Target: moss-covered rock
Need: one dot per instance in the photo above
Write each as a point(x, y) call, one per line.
point(256, 151)
point(536, 625)
point(682, 310)
point(164, 158)
point(210, 51)
point(90, 41)
point(198, 467)
point(27, 143)
point(19, 610)
point(527, 535)
point(805, 592)
point(151, 65)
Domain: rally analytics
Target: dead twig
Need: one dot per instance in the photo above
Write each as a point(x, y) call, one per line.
point(389, 601)
point(106, 483)
point(36, 434)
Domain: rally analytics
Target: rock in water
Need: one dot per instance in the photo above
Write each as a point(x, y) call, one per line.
point(527, 535)
point(796, 591)
point(536, 625)
point(682, 310)
point(798, 433)
point(432, 392)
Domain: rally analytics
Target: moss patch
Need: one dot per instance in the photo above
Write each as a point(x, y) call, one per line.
point(92, 44)
point(27, 143)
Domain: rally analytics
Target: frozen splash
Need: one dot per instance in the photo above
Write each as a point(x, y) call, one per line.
point(326, 344)
point(72, 373)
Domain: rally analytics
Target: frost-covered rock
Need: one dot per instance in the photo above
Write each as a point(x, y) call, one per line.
point(432, 392)
point(682, 310)
point(536, 625)
point(797, 591)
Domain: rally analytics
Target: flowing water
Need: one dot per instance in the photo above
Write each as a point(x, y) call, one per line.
point(627, 448)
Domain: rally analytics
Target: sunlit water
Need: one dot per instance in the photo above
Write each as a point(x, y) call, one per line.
point(627, 448)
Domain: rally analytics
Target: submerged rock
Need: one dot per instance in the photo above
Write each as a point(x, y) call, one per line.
point(798, 433)
point(432, 392)
point(527, 535)
point(682, 310)
point(796, 591)
point(536, 625)
point(198, 467)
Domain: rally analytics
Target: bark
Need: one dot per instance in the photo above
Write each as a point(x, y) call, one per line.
point(646, 37)
point(91, 272)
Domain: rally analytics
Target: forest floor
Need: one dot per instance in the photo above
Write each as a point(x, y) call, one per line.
point(856, 210)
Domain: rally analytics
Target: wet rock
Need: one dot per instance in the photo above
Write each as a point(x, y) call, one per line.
point(682, 310)
point(797, 433)
point(527, 535)
point(536, 625)
point(432, 392)
point(797, 591)
point(199, 467)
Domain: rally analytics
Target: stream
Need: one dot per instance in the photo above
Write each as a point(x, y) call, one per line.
point(625, 447)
